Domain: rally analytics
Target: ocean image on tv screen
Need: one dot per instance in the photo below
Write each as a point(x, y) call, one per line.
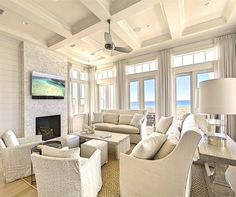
point(45, 86)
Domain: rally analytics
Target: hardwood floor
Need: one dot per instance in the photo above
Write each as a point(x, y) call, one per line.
point(15, 189)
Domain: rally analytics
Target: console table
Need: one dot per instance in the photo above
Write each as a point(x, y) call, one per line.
point(219, 159)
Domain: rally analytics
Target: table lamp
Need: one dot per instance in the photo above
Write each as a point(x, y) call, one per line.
point(218, 97)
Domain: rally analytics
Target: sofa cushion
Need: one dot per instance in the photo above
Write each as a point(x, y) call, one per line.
point(147, 148)
point(97, 117)
point(110, 118)
point(125, 119)
point(164, 124)
point(2, 145)
point(125, 129)
point(137, 120)
point(103, 126)
point(60, 153)
point(10, 139)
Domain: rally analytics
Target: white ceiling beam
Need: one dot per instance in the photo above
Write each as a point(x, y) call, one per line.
point(32, 11)
point(72, 54)
point(229, 12)
point(21, 36)
point(87, 29)
point(154, 41)
point(173, 13)
point(102, 10)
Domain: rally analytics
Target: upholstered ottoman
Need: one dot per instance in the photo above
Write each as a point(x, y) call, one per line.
point(70, 140)
point(89, 147)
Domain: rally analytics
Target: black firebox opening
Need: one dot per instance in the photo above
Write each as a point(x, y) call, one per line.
point(48, 126)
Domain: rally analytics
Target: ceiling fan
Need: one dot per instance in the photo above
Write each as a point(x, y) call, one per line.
point(109, 44)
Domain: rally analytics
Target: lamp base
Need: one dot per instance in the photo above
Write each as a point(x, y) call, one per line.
point(217, 140)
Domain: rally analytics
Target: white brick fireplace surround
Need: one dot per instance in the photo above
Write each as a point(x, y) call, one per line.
point(40, 59)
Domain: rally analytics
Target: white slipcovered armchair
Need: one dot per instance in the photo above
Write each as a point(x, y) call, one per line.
point(166, 177)
point(16, 160)
point(70, 177)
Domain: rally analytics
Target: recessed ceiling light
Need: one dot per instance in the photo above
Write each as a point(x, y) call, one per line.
point(1, 11)
point(147, 25)
point(24, 23)
point(72, 45)
point(137, 29)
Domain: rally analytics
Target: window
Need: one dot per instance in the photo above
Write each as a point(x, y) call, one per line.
point(134, 95)
point(183, 95)
point(149, 95)
point(105, 74)
point(106, 96)
point(141, 68)
point(79, 91)
point(195, 57)
point(204, 76)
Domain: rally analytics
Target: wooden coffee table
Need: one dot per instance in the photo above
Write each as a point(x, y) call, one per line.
point(117, 142)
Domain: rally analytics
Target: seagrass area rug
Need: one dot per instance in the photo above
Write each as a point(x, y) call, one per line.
point(110, 178)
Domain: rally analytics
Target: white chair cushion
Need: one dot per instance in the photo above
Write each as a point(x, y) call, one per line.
point(110, 118)
point(97, 117)
point(60, 153)
point(2, 145)
point(125, 119)
point(137, 120)
point(164, 124)
point(147, 148)
point(10, 139)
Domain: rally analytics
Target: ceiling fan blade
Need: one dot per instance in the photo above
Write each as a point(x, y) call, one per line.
point(123, 49)
point(107, 38)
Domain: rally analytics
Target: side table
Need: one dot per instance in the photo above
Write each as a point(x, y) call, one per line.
point(219, 158)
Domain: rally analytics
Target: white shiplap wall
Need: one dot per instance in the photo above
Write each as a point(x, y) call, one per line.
point(10, 86)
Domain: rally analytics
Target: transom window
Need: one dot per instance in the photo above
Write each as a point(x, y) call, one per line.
point(195, 57)
point(105, 74)
point(141, 68)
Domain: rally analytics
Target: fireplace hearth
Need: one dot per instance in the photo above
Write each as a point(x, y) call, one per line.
point(48, 126)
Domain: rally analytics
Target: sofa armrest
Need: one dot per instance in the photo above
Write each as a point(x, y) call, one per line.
point(30, 139)
point(17, 162)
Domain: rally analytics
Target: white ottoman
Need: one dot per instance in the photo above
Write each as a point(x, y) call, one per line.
point(89, 147)
point(70, 140)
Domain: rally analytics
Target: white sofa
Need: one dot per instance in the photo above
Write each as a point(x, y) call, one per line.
point(16, 160)
point(115, 126)
point(60, 177)
point(166, 177)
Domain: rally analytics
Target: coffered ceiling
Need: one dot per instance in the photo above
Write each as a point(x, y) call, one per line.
point(76, 27)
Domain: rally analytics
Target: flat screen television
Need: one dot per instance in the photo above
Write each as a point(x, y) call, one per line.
point(46, 86)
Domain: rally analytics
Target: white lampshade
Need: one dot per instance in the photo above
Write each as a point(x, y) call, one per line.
point(218, 96)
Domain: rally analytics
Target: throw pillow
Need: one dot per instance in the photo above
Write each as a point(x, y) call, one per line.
point(60, 153)
point(110, 118)
point(147, 148)
point(97, 117)
point(10, 139)
point(164, 124)
point(137, 120)
point(125, 119)
point(2, 145)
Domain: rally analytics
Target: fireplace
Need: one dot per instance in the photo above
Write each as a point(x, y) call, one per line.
point(48, 126)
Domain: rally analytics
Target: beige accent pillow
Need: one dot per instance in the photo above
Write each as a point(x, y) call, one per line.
point(164, 124)
point(166, 149)
point(147, 148)
point(60, 153)
point(97, 117)
point(125, 119)
point(2, 145)
point(10, 139)
point(137, 120)
point(111, 118)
